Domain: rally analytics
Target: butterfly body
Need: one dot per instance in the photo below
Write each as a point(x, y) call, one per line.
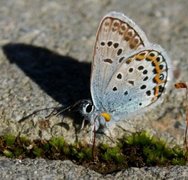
point(129, 74)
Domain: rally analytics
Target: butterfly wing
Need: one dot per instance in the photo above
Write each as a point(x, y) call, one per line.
point(116, 35)
point(138, 82)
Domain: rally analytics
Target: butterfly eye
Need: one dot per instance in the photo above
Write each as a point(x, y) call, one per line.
point(88, 108)
point(85, 107)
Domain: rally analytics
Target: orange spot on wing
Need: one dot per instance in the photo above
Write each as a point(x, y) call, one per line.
point(128, 61)
point(158, 80)
point(157, 68)
point(141, 56)
point(156, 91)
point(150, 58)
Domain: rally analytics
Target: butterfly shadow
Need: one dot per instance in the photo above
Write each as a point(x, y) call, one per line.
point(63, 78)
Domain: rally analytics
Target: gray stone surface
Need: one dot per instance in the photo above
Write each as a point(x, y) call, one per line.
point(45, 55)
point(51, 170)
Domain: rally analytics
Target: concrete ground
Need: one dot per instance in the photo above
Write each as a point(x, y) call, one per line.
point(45, 58)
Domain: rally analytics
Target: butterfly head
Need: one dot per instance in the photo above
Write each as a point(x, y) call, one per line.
point(95, 117)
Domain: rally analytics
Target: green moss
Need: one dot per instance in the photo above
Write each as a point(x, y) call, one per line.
point(87, 153)
point(18, 151)
point(8, 153)
point(139, 149)
point(9, 139)
point(24, 140)
point(57, 143)
point(111, 153)
point(38, 152)
point(80, 152)
point(154, 150)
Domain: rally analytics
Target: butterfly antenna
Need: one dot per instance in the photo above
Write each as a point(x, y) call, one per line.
point(69, 108)
point(55, 113)
point(35, 112)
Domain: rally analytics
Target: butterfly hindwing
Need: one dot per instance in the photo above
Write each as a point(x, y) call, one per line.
point(138, 82)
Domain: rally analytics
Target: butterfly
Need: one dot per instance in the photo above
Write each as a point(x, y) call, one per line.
point(129, 74)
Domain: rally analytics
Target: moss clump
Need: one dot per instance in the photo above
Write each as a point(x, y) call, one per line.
point(57, 142)
point(38, 152)
point(154, 151)
point(9, 139)
point(111, 154)
point(139, 149)
point(80, 152)
point(8, 153)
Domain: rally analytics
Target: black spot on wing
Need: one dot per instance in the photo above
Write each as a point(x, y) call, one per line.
point(108, 61)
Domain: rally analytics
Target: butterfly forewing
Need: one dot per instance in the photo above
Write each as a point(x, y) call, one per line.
point(116, 35)
point(138, 82)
